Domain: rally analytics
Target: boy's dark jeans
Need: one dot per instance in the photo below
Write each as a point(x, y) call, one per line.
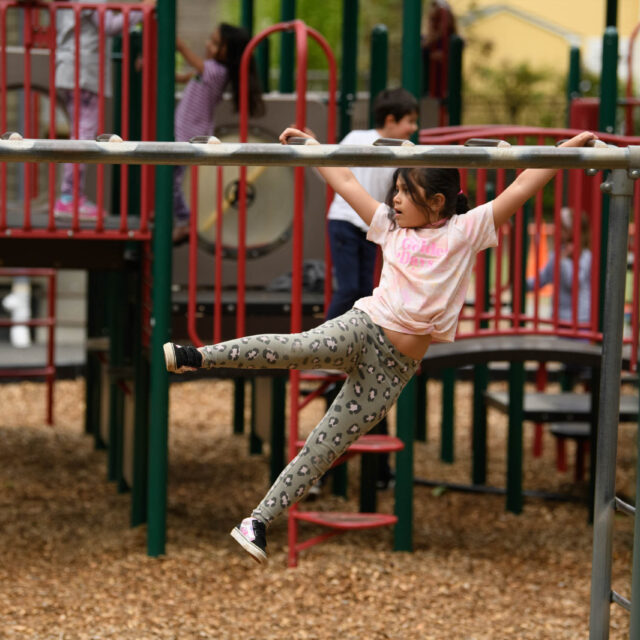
point(354, 259)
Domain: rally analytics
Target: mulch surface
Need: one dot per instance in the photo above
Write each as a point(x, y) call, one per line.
point(72, 568)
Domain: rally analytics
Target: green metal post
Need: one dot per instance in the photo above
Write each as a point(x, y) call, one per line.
point(255, 441)
point(246, 15)
point(609, 81)
point(454, 85)
point(348, 75)
point(238, 405)
point(278, 403)
point(287, 47)
point(514, 443)
point(421, 407)
point(612, 13)
point(606, 122)
point(573, 82)
point(161, 296)
point(406, 427)
point(379, 64)
point(447, 427)
point(116, 294)
point(411, 52)
point(479, 430)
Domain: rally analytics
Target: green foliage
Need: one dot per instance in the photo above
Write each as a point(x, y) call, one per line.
point(326, 18)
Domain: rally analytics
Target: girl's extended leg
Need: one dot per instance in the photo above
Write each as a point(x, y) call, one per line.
point(336, 344)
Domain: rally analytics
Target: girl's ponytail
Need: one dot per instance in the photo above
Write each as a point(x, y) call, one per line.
point(462, 203)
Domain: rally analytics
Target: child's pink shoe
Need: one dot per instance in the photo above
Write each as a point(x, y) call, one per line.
point(251, 535)
point(87, 210)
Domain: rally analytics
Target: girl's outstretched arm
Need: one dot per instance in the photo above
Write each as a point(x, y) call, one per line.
point(342, 181)
point(528, 183)
point(192, 58)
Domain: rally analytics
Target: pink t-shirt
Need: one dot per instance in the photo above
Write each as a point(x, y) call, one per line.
point(426, 271)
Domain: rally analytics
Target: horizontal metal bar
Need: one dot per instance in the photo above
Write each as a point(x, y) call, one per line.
point(185, 153)
point(620, 505)
point(621, 600)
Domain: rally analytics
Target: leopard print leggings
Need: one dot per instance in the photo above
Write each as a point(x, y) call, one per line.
point(376, 374)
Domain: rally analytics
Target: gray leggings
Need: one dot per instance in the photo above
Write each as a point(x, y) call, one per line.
point(376, 374)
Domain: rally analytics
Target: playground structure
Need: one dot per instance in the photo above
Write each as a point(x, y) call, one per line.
point(507, 316)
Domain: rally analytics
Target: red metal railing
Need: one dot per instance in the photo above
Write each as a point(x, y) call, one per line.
point(48, 371)
point(497, 305)
point(24, 215)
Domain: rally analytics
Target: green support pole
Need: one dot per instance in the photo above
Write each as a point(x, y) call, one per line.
point(421, 407)
point(246, 16)
point(161, 296)
point(116, 294)
point(447, 427)
point(238, 405)
point(411, 51)
point(454, 85)
point(514, 442)
point(379, 65)
point(609, 81)
point(96, 315)
point(348, 75)
point(479, 429)
point(278, 403)
point(634, 631)
point(140, 440)
point(606, 122)
point(287, 47)
point(405, 429)
point(612, 13)
point(255, 442)
point(573, 82)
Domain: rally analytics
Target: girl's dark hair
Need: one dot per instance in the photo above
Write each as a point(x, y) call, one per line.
point(235, 39)
point(432, 181)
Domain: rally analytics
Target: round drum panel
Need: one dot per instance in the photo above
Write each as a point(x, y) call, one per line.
point(269, 202)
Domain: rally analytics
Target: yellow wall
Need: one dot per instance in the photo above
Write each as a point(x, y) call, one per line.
point(516, 39)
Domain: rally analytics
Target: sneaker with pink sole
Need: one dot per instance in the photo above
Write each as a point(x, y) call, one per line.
point(87, 210)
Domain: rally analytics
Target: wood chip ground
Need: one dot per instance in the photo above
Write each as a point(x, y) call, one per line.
point(71, 568)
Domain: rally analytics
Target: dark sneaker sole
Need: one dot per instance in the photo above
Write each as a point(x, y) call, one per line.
point(170, 359)
point(252, 549)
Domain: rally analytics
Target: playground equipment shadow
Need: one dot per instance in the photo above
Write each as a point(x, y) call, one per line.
point(76, 570)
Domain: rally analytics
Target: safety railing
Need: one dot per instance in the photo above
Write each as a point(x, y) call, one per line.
point(48, 371)
point(38, 41)
point(508, 297)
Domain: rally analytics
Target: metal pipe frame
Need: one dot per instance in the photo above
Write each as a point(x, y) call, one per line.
point(317, 155)
point(620, 187)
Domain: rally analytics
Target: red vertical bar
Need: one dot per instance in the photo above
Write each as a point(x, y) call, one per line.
point(124, 169)
point(517, 269)
point(147, 62)
point(217, 309)
point(27, 113)
point(52, 113)
point(75, 224)
point(557, 223)
point(481, 196)
point(577, 249)
point(193, 260)
point(3, 113)
point(101, 99)
point(596, 231)
point(500, 181)
point(51, 341)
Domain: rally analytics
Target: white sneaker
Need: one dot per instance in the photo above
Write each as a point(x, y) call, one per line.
point(251, 535)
